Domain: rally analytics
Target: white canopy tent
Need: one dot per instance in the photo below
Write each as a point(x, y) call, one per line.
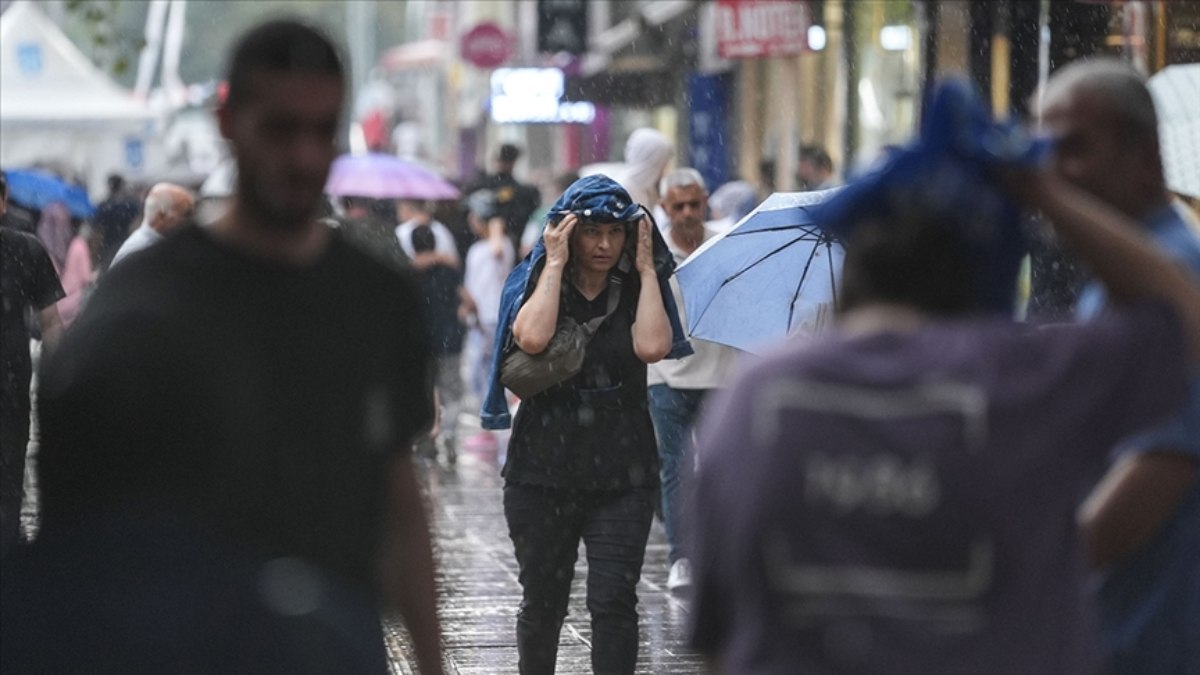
point(57, 107)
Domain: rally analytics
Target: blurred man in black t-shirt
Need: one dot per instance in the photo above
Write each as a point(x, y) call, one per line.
point(27, 282)
point(515, 201)
point(115, 218)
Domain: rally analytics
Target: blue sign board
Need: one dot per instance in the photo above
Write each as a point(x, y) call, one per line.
point(134, 152)
point(708, 139)
point(29, 58)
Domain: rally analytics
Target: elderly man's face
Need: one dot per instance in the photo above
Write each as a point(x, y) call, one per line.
point(1088, 149)
point(685, 205)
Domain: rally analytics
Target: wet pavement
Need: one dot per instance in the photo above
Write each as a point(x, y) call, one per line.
point(477, 579)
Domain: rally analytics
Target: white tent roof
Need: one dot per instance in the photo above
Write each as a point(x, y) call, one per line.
point(44, 78)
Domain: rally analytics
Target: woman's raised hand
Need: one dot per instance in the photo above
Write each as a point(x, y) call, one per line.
point(644, 262)
point(558, 238)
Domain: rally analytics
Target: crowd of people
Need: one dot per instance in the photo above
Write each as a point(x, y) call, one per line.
point(231, 412)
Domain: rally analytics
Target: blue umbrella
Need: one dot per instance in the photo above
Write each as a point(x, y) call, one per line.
point(35, 189)
point(775, 273)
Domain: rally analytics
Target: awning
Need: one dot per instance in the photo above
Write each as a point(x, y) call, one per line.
point(620, 36)
point(632, 81)
point(625, 65)
point(415, 55)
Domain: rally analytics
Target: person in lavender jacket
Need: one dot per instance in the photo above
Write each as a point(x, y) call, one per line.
point(899, 495)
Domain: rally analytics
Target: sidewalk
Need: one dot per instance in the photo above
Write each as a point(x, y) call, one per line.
point(477, 578)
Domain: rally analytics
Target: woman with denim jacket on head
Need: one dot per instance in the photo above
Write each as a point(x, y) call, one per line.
point(582, 461)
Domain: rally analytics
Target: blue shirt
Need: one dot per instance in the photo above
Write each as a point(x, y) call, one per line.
point(1150, 602)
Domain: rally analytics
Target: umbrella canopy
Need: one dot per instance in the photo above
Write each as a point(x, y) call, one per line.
point(773, 274)
point(1176, 92)
point(36, 188)
point(380, 176)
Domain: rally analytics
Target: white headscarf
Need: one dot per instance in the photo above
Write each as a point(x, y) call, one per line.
point(647, 153)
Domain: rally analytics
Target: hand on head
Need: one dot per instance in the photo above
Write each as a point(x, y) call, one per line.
point(645, 247)
point(558, 239)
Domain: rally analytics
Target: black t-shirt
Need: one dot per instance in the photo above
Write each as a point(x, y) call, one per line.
point(592, 432)
point(114, 218)
point(27, 281)
point(440, 297)
point(515, 202)
point(265, 400)
point(377, 238)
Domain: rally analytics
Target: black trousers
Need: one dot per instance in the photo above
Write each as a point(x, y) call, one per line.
point(14, 441)
point(546, 525)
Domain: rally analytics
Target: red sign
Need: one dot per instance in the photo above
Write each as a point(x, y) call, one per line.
point(486, 46)
point(439, 25)
point(757, 28)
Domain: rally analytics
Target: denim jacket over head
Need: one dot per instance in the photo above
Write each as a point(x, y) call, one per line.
point(602, 198)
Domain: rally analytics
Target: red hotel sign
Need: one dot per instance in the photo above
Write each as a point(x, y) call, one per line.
point(758, 28)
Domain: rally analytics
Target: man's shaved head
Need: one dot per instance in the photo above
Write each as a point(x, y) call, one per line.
point(167, 205)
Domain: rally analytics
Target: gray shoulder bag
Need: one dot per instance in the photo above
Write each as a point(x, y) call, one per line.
point(529, 374)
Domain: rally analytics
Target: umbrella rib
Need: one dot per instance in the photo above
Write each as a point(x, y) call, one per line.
point(833, 290)
point(812, 230)
point(696, 321)
point(747, 268)
point(796, 296)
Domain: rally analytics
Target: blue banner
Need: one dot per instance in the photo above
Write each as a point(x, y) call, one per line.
point(709, 145)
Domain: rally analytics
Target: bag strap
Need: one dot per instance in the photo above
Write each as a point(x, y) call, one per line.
point(614, 299)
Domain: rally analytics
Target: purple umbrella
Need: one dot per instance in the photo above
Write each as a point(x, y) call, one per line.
point(380, 176)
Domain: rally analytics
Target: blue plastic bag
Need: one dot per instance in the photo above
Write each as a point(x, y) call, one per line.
point(947, 170)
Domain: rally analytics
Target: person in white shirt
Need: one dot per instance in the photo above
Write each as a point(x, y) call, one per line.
point(489, 260)
point(677, 388)
point(414, 212)
point(166, 207)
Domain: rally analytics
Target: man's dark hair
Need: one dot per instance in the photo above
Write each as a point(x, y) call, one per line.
point(3, 185)
point(509, 153)
point(422, 205)
point(280, 46)
point(917, 259)
point(116, 183)
point(817, 156)
point(423, 240)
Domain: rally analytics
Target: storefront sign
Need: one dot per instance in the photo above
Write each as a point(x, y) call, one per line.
point(758, 28)
point(486, 46)
point(534, 96)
